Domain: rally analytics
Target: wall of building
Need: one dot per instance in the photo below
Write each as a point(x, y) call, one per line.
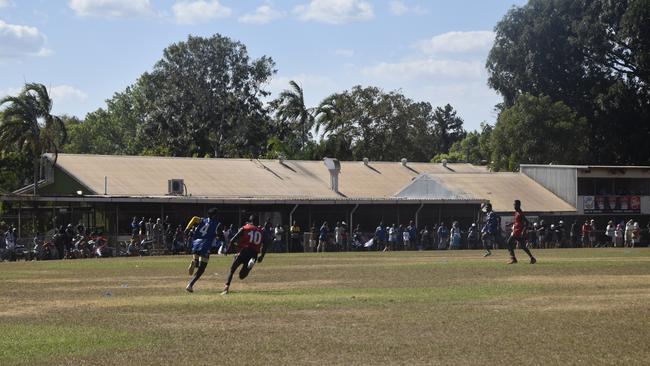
point(562, 181)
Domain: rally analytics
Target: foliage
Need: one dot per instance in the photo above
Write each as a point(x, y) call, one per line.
point(448, 127)
point(203, 97)
point(28, 127)
point(367, 122)
point(293, 120)
point(591, 55)
point(537, 130)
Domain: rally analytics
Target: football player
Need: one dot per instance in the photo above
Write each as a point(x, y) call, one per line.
point(249, 242)
point(205, 233)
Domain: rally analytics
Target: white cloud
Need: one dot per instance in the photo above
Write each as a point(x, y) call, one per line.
point(111, 8)
point(21, 40)
point(457, 42)
point(398, 8)
point(201, 11)
point(335, 11)
point(262, 15)
point(426, 67)
point(344, 52)
point(67, 94)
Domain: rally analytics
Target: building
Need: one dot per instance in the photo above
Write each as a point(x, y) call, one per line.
point(108, 191)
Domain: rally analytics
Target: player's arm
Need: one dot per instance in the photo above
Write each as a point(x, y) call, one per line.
point(193, 222)
point(235, 239)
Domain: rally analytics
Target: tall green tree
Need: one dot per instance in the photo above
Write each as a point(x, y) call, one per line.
point(448, 127)
point(367, 122)
point(204, 97)
point(27, 126)
point(590, 54)
point(293, 117)
point(537, 130)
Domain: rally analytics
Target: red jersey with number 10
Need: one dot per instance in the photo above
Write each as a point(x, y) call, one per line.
point(251, 238)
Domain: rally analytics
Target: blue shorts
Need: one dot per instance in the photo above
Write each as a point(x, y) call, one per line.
point(201, 247)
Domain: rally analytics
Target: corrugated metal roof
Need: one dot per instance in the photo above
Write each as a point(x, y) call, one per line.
point(140, 176)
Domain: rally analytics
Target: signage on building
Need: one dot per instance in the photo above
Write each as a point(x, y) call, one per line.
point(612, 204)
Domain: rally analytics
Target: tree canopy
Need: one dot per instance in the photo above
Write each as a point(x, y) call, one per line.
point(592, 55)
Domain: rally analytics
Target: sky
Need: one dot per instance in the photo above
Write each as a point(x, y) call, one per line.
point(84, 51)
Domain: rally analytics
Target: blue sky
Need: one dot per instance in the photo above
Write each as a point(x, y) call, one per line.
point(86, 50)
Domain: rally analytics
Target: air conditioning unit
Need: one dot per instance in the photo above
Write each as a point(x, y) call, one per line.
point(175, 187)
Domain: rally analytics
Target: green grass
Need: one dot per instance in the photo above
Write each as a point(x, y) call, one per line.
point(583, 307)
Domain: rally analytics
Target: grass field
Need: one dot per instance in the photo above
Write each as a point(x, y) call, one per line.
point(588, 307)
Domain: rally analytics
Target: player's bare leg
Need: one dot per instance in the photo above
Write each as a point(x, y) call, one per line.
point(202, 264)
point(193, 264)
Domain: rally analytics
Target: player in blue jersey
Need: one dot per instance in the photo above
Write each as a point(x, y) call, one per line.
point(205, 233)
point(491, 229)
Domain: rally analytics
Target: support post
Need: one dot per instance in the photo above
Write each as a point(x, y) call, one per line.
point(295, 207)
point(351, 235)
point(417, 215)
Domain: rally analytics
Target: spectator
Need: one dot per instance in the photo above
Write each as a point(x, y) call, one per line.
point(142, 227)
point(541, 234)
point(338, 236)
point(149, 227)
point(575, 234)
point(357, 240)
point(322, 237)
point(413, 234)
point(277, 242)
point(425, 238)
point(472, 237)
point(593, 234)
point(531, 240)
point(406, 239)
point(380, 235)
point(392, 238)
point(68, 237)
point(561, 234)
point(636, 234)
point(619, 236)
point(629, 230)
point(313, 238)
point(455, 236)
point(344, 235)
point(296, 245)
point(135, 227)
point(586, 233)
point(443, 236)
point(10, 244)
point(158, 232)
point(179, 239)
point(610, 232)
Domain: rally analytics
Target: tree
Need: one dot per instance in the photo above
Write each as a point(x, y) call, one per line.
point(366, 122)
point(536, 130)
point(203, 97)
point(293, 117)
point(112, 130)
point(590, 54)
point(448, 127)
point(474, 148)
point(27, 126)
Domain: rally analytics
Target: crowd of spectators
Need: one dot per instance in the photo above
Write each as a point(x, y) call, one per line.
point(160, 236)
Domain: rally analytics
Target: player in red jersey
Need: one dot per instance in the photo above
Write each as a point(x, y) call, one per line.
point(518, 235)
point(249, 242)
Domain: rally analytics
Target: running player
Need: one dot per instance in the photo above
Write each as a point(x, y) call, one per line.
point(491, 229)
point(249, 241)
point(517, 236)
point(205, 233)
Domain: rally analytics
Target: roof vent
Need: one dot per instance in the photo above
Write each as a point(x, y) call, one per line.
point(334, 166)
point(366, 161)
point(444, 162)
point(281, 158)
point(404, 161)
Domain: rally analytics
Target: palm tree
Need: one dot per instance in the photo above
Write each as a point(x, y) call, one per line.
point(292, 109)
point(27, 125)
